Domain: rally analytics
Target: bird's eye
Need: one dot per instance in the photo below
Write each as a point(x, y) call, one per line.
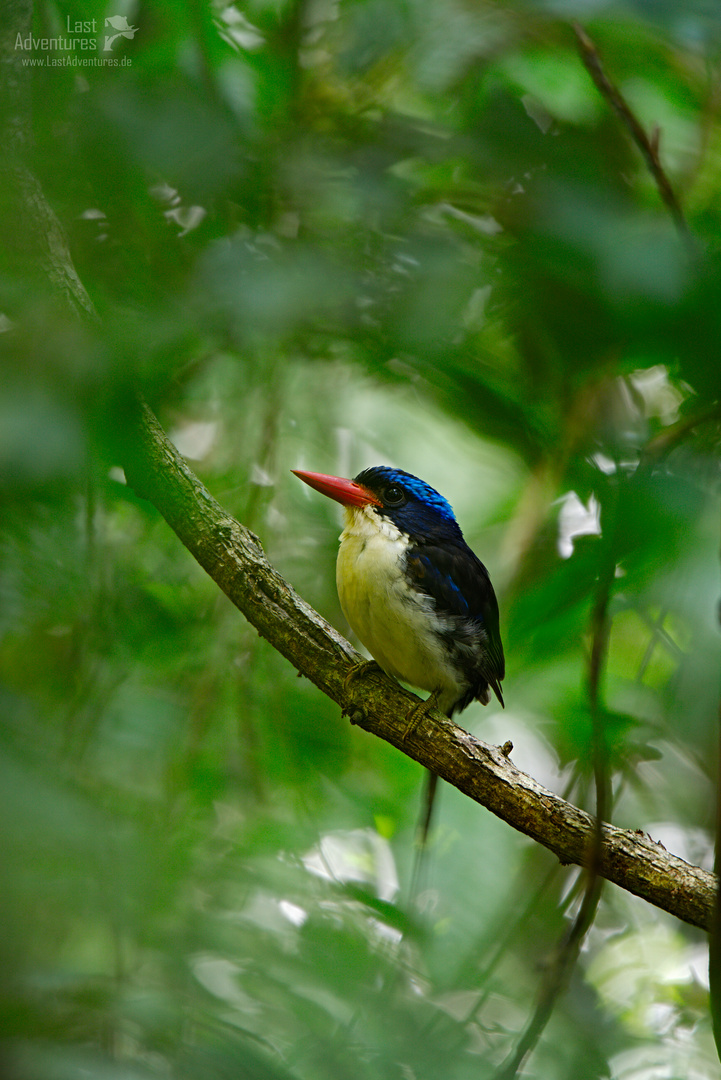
point(393, 495)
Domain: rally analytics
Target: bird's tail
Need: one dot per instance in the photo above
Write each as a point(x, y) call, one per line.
point(429, 797)
point(423, 829)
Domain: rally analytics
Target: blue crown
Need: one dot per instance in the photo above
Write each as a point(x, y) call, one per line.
point(414, 487)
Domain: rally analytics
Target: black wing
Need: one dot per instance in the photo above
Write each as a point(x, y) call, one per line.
point(458, 583)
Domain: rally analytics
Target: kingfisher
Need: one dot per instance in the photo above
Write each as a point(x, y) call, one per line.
point(413, 592)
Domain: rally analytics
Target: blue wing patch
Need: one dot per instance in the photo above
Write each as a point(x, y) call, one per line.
point(441, 586)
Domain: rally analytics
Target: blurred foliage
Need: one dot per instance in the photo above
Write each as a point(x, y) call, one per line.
point(333, 234)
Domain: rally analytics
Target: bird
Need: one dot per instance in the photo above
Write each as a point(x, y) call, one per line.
point(414, 593)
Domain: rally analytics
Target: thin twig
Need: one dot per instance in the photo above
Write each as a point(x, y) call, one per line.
point(649, 147)
point(557, 979)
point(665, 441)
point(566, 956)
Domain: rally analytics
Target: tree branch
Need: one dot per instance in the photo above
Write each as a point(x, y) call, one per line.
point(235, 560)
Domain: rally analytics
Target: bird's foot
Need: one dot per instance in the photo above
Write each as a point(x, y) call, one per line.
point(418, 712)
point(361, 668)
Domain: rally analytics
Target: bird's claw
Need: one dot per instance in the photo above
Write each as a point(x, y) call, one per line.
point(358, 669)
point(417, 713)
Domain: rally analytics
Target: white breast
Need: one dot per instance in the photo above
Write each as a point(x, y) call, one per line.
point(394, 621)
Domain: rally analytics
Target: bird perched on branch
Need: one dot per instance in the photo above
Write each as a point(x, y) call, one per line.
point(413, 591)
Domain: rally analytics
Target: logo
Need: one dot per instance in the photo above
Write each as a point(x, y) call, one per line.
point(123, 29)
point(81, 36)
